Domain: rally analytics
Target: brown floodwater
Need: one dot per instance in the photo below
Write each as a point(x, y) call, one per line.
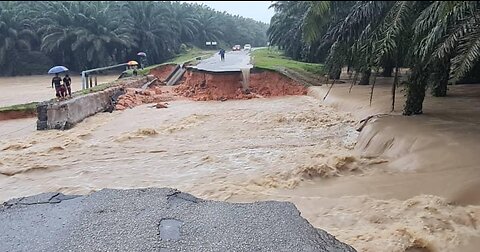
point(37, 88)
point(374, 196)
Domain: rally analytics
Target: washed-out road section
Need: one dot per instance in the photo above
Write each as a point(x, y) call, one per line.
point(234, 61)
point(155, 219)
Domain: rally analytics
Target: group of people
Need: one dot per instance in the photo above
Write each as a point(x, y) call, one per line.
point(62, 87)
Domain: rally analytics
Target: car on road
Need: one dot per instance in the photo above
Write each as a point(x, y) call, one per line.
point(236, 48)
point(247, 47)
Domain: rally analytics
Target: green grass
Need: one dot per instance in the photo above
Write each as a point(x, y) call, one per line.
point(191, 55)
point(274, 59)
point(32, 106)
point(94, 89)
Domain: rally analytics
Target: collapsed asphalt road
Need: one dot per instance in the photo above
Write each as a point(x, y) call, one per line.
point(155, 220)
point(235, 61)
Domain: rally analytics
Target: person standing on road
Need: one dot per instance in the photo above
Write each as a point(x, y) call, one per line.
point(222, 54)
point(57, 81)
point(67, 81)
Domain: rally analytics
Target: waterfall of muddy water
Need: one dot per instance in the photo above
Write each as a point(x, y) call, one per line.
point(245, 78)
point(289, 148)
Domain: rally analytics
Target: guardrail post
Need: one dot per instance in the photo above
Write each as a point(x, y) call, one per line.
point(84, 85)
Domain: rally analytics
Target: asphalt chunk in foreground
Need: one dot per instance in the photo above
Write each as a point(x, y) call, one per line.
point(155, 219)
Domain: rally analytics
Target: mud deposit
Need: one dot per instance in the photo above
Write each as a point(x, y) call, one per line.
point(162, 72)
point(135, 96)
point(289, 148)
point(8, 115)
point(205, 86)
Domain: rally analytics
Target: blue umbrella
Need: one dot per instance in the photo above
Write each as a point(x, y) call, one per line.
point(142, 54)
point(57, 69)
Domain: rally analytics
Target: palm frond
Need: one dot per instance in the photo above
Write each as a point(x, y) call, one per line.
point(467, 56)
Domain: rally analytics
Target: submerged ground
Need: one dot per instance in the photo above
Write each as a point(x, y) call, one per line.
point(401, 184)
point(292, 148)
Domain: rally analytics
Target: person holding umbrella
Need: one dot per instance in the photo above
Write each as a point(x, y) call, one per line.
point(132, 64)
point(143, 59)
point(57, 81)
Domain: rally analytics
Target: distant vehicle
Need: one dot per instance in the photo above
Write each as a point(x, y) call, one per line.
point(247, 47)
point(237, 48)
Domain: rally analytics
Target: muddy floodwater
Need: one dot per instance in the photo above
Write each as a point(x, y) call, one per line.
point(25, 89)
point(291, 148)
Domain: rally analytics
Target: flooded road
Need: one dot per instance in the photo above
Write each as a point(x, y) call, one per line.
point(36, 88)
point(188, 144)
point(290, 148)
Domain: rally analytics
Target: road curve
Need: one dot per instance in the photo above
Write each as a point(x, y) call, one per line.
point(234, 62)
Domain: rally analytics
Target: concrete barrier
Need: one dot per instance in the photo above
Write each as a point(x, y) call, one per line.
point(65, 114)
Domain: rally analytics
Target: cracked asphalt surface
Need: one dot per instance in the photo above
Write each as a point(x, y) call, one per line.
point(155, 219)
point(234, 62)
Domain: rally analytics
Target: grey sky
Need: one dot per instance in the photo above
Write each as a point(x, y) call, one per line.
point(257, 10)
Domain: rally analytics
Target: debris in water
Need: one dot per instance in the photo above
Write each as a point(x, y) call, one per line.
point(160, 105)
point(135, 97)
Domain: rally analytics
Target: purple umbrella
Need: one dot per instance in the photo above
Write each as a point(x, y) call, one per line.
point(142, 54)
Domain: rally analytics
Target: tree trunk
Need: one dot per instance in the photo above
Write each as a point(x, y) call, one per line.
point(440, 90)
point(354, 81)
point(388, 67)
point(387, 71)
point(440, 79)
point(415, 92)
point(394, 87)
point(334, 73)
point(365, 80)
point(373, 86)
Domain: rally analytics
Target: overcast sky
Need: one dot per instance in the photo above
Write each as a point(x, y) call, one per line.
point(257, 10)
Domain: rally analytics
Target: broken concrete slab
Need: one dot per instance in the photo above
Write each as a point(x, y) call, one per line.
point(156, 219)
point(65, 114)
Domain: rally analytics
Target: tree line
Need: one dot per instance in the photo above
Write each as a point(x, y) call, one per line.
point(35, 35)
point(439, 41)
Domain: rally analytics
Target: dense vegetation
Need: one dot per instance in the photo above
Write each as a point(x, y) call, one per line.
point(81, 35)
point(438, 40)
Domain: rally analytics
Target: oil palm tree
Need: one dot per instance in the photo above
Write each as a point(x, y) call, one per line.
point(91, 34)
point(101, 35)
point(185, 22)
point(15, 37)
point(151, 29)
point(83, 34)
point(209, 28)
point(286, 28)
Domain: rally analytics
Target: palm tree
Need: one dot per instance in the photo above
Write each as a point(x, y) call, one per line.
point(209, 28)
point(83, 34)
point(184, 22)
point(286, 28)
point(101, 35)
point(15, 37)
point(448, 33)
point(151, 29)
point(91, 34)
